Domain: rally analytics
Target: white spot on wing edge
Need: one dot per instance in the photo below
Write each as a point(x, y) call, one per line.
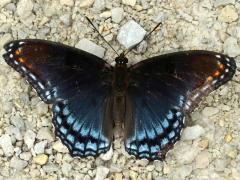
point(218, 56)
point(11, 55)
point(11, 45)
point(21, 42)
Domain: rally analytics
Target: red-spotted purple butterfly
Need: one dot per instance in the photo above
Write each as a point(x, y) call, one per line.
point(90, 97)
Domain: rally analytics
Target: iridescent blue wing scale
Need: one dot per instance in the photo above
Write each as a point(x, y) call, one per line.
point(162, 90)
point(77, 83)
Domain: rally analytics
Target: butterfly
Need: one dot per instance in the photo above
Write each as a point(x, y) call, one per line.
point(90, 97)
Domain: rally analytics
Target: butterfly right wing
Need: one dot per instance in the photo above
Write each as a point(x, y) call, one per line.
point(76, 83)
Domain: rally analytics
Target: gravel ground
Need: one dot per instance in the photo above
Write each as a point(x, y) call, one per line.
point(209, 148)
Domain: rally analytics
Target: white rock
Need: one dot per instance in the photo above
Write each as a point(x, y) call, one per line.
point(42, 108)
point(45, 133)
point(86, 3)
point(24, 8)
point(18, 122)
point(210, 111)
point(4, 2)
point(220, 165)
point(160, 17)
point(5, 38)
point(59, 147)
point(228, 14)
point(108, 155)
point(191, 133)
point(185, 154)
point(29, 138)
point(12, 130)
point(17, 163)
point(130, 34)
point(90, 47)
point(223, 2)
point(203, 160)
point(106, 14)
point(99, 5)
point(129, 2)
point(67, 2)
point(66, 19)
point(117, 14)
point(231, 47)
point(50, 168)
point(101, 173)
point(181, 172)
point(66, 168)
point(40, 147)
point(25, 156)
point(6, 144)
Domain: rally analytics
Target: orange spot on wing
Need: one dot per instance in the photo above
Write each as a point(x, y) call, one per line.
point(17, 52)
point(210, 78)
point(216, 74)
point(21, 60)
point(221, 66)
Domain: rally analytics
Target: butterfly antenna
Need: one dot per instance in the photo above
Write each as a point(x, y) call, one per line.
point(100, 34)
point(145, 37)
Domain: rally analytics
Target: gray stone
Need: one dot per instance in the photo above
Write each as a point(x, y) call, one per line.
point(66, 19)
point(99, 5)
point(108, 155)
point(25, 156)
point(17, 163)
point(50, 168)
point(4, 2)
point(59, 147)
point(117, 14)
point(29, 138)
point(191, 133)
point(101, 173)
point(45, 133)
point(40, 147)
point(90, 47)
point(130, 34)
point(6, 144)
point(67, 2)
point(12, 130)
point(24, 8)
point(220, 165)
point(42, 108)
point(66, 168)
point(11, 7)
point(210, 111)
point(231, 47)
point(160, 17)
point(18, 122)
point(203, 160)
point(218, 3)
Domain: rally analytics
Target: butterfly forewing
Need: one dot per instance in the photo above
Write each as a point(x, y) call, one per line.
point(77, 83)
point(162, 90)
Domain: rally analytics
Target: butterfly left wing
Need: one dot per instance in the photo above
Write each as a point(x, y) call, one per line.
point(76, 83)
point(162, 90)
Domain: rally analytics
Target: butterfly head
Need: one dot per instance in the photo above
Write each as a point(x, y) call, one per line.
point(121, 59)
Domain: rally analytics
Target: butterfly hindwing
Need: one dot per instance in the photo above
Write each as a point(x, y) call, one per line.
point(162, 90)
point(76, 83)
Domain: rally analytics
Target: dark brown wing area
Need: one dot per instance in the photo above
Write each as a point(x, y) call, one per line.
point(162, 90)
point(76, 83)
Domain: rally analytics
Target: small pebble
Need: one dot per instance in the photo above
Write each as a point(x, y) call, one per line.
point(67, 2)
point(228, 14)
point(117, 14)
point(191, 133)
point(231, 47)
point(130, 34)
point(101, 173)
point(42, 108)
point(86, 3)
point(59, 147)
point(40, 147)
point(4, 2)
point(108, 155)
point(106, 14)
point(203, 143)
point(6, 144)
point(45, 133)
point(25, 156)
point(118, 176)
point(17, 163)
point(48, 168)
point(129, 2)
point(24, 8)
point(29, 138)
point(40, 159)
point(99, 5)
point(210, 111)
point(203, 160)
point(90, 47)
point(66, 168)
point(228, 138)
point(218, 3)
